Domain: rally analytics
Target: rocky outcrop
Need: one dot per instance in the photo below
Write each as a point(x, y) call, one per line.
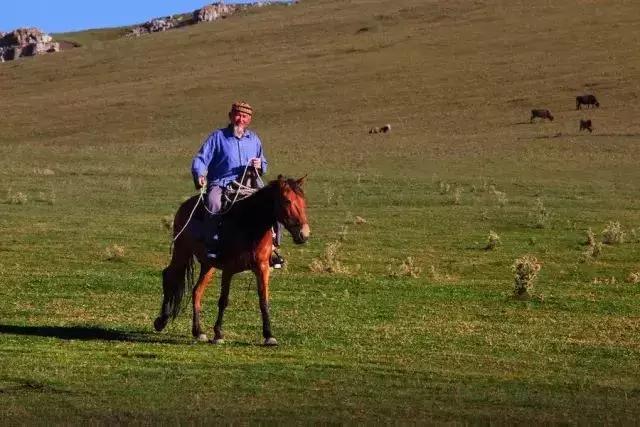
point(154, 26)
point(211, 12)
point(25, 42)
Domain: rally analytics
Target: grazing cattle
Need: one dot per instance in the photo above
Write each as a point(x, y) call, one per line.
point(384, 129)
point(543, 114)
point(585, 124)
point(588, 100)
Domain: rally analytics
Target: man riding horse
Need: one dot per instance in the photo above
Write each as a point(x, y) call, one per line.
point(225, 156)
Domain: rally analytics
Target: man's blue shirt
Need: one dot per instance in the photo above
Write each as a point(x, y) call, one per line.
point(223, 157)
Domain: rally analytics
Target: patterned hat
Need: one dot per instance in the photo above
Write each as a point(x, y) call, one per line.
point(242, 107)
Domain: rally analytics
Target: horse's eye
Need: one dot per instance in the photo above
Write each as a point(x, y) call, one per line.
point(287, 203)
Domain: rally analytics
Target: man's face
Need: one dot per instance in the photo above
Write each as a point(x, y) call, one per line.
point(239, 119)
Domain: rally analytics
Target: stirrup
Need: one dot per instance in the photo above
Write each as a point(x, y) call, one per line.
point(276, 261)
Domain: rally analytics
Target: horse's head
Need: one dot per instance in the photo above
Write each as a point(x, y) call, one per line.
point(291, 208)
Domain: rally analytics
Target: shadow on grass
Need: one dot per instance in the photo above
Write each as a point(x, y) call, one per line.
point(590, 135)
point(89, 333)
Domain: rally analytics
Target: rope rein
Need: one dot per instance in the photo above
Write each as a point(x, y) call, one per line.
point(241, 192)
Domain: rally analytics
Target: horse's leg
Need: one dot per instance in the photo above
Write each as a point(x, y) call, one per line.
point(206, 273)
point(262, 274)
point(222, 304)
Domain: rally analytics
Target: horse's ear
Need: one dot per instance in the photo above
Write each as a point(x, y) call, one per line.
point(300, 181)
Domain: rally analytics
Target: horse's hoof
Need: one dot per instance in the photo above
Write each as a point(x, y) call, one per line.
point(270, 342)
point(203, 338)
point(217, 341)
point(159, 323)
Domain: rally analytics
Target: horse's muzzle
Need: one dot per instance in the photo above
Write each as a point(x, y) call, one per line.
point(301, 235)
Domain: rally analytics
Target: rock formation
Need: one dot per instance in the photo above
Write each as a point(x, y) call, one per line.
point(25, 42)
point(154, 26)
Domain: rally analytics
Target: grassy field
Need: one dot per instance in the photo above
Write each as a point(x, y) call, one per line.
point(417, 322)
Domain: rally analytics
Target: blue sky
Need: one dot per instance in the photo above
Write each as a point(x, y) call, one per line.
point(55, 16)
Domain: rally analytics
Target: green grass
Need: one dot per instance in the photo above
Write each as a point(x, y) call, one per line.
point(99, 139)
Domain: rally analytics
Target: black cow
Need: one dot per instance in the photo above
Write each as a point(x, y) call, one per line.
point(588, 100)
point(543, 114)
point(585, 125)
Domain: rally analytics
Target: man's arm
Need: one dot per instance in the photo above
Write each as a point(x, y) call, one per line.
point(263, 160)
point(200, 162)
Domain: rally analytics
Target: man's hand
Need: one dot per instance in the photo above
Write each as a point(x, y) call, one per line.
point(202, 181)
point(256, 162)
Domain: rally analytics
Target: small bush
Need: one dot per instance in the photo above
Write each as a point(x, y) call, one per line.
point(444, 187)
point(604, 280)
point(501, 197)
point(540, 214)
point(49, 198)
point(633, 278)
point(125, 184)
point(17, 198)
point(593, 249)
point(493, 241)
point(115, 252)
point(330, 195)
point(613, 233)
point(408, 268)
point(328, 262)
point(526, 271)
point(456, 197)
point(167, 222)
point(592, 252)
point(359, 220)
point(43, 172)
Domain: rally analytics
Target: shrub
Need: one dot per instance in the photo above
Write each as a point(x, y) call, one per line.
point(115, 252)
point(492, 241)
point(526, 271)
point(613, 233)
point(604, 280)
point(593, 249)
point(43, 172)
point(633, 278)
point(444, 187)
point(501, 196)
point(167, 222)
point(540, 214)
point(17, 198)
point(456, 197)
point(408, 268)
point(328, 262)
point(359, 220)
point(591, 238)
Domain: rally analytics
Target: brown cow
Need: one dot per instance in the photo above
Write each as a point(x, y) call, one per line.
point(585, 124)
point(543, 114)
point(384, 129)
point(588, 100)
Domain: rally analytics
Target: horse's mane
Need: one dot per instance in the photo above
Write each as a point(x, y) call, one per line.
point(264, 193)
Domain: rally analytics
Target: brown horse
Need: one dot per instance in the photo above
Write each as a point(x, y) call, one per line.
point(246, 245)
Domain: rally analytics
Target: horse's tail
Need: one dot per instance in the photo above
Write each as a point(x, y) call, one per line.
point(176, 281)
point(181, 283)
point(178, 277)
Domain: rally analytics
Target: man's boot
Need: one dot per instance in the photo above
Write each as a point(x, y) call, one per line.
point(276, 261)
